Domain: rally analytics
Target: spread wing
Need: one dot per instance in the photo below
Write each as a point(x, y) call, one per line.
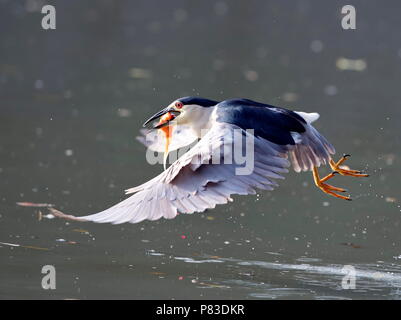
point(202, 178)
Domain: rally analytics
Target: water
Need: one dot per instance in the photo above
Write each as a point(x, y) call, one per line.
point(72, 101)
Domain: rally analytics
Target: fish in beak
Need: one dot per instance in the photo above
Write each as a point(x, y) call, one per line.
point(166, 116)
point(173, 114)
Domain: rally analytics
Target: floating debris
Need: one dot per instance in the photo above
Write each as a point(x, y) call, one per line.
point(23, 246)
point(352, 245)
point(46, 216)
point(190, 260)
point(35, 205)
point(212, 285)
point(274, 253)
point(10, 244)
point(351, 64)
point(35, 248)
point(81, 231)
point(154, 253)
point(214, 257)
point(66, 241)
point(390, 199)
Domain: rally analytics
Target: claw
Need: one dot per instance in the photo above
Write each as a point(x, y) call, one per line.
point(336, 166)
point(327, 188)
point(337, 169)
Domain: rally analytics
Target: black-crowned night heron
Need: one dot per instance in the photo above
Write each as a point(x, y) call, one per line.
point(208, 173)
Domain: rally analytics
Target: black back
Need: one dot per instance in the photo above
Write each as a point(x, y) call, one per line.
point(271, 123)
point(198, 101)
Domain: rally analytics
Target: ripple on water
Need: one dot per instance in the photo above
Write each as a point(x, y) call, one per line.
point(308, 279)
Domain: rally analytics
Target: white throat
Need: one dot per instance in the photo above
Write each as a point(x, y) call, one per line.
point(199, 119)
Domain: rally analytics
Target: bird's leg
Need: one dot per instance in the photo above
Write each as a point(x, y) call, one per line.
point(336, 166)
point(326, 188)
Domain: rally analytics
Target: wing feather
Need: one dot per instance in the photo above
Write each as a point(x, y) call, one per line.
point(311, 151)
point(193, 183)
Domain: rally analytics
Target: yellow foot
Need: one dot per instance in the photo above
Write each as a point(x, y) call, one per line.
point(327, 188)
point(336, 166)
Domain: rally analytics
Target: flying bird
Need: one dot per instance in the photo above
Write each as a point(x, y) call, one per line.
point(209, 172)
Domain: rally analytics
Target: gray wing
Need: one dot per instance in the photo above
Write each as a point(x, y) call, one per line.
point(182, 136)
point(311, 148)
point(196, 181)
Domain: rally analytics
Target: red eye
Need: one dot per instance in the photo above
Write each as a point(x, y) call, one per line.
point(178, 105)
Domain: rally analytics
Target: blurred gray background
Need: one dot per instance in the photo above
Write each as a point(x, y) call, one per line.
point(73, 99)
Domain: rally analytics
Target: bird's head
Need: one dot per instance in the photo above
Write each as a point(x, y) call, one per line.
point(191, 111)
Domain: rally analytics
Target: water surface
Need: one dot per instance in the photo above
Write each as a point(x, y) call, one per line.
point(73, 99)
